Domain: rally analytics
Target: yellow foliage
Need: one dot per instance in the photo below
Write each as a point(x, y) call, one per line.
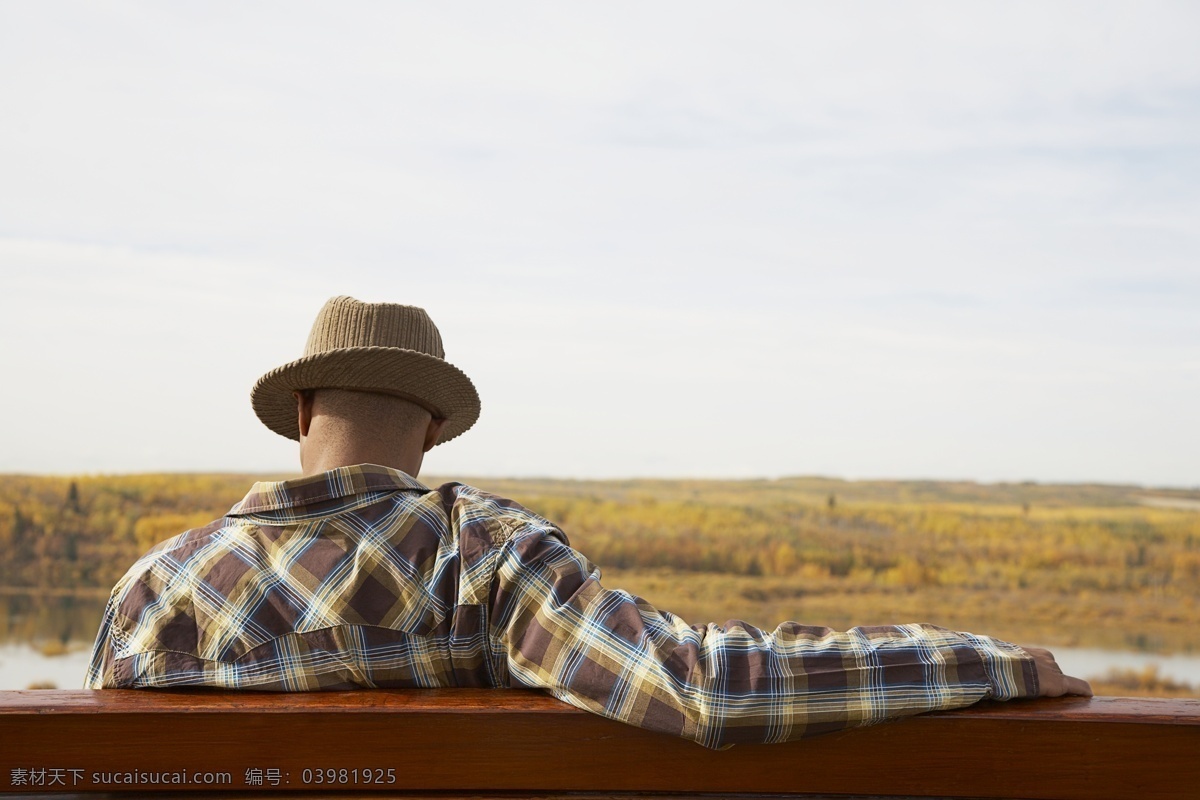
point(1072, 564)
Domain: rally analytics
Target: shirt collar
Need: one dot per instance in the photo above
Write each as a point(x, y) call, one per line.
point(338, 483)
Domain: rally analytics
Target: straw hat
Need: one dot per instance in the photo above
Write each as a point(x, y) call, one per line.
point(371, 347)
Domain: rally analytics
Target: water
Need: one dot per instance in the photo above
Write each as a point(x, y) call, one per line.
point(22, 665)
point(62, 622)
point(1085, 662)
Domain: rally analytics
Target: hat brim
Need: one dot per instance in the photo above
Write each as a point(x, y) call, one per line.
point(429, 381)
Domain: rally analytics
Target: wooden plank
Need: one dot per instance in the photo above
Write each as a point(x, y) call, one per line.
point(1147, 710)
point(207, 701)
point(481, 741)
point(242, 795)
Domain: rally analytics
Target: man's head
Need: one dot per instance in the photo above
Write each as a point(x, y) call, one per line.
point(367, 366)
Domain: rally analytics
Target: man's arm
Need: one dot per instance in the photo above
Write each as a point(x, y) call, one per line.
point(614, 654)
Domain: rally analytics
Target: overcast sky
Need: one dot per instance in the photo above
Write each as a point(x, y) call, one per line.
point(939, 240)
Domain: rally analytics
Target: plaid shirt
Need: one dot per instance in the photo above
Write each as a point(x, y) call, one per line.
point(363, 577)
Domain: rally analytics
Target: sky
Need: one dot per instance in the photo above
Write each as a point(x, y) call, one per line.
point(896, 240)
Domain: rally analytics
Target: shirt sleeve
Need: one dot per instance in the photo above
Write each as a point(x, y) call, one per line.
point(614, 654)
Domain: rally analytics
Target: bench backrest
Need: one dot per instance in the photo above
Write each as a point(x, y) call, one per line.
point(474, 741)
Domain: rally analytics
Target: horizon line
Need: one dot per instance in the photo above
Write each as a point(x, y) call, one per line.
point(291, 474)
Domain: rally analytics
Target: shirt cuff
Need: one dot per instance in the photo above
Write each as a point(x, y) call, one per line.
point(1011, 671)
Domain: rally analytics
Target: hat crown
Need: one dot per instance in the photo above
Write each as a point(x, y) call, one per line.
point(344, 322)
point(370, 347)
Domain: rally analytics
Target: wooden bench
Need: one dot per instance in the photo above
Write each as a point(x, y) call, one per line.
point(512, 743)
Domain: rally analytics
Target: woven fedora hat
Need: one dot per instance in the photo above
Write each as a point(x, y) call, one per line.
point(370, 347)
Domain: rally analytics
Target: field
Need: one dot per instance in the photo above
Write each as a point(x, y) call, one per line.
point(1115, 567)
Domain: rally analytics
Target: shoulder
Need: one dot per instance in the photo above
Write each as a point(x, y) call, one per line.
point(189, 540)
point(168, 567)
point(171, 557)
point(469, 507)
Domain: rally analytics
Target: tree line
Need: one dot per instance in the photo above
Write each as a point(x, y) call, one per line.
point(81, 532)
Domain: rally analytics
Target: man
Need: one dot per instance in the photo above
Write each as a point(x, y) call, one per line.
point(357, 575)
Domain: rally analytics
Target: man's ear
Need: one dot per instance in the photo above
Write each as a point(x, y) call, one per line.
point(304, 407)
point(432, 432)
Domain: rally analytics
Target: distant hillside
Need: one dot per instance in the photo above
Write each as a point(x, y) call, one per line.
point(818, 489)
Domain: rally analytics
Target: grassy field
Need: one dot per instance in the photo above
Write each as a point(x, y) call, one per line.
point(1114, 567)
point(1089, 566)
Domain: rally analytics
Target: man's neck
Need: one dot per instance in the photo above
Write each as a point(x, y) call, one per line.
point(325, 461)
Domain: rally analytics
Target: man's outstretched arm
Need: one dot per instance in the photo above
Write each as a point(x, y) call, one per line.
point(614, 654)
